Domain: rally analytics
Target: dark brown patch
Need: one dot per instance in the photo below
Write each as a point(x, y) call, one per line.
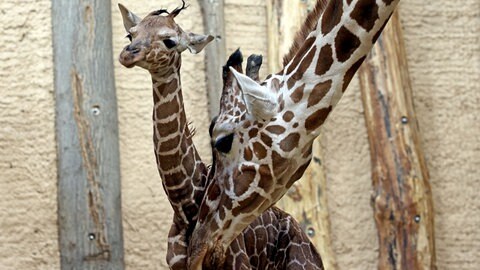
point(295, 125)
point(252, 133)
point(288, 116)
point(275, 129)
point(175, 179)
point(325, 60)
point(332, 16)
point(351, 72)
point(168, 162)
point(365, 13)
point(259, 150)
point(281, 106)
point(315, 120)
point(170, 144)
point(169, 108)
point(388, 2)
point(318, 92)
point(243, 179)
point(167, 89)
point(188, 163)
point(301, 52)
point(345, 44)
point(249, 204)
point(290, 142)
point(279, 164)
point(247, 154)
point(214, 192)
point(266, 139)
point(297, 95)
point(266, 179)
point(291, 82)
point(349, 2)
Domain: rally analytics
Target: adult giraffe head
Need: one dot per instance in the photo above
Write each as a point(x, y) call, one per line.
point(156, 39)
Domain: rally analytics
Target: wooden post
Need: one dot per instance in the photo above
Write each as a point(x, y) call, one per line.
point(402, 198)
point(306, 201)
point(215, 52)
point(89, 211)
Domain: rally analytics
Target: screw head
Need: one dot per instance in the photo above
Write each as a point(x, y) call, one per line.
point(96, 110)
point(311, 232)
point(91, 236)
point(404, 120)
point(417, 218)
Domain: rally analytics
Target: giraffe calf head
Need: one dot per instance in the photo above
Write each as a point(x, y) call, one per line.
point(156, 40)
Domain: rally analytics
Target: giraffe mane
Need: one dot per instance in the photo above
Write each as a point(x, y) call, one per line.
point(308, 26)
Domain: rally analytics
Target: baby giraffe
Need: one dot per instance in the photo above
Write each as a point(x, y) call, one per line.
point(274, 240)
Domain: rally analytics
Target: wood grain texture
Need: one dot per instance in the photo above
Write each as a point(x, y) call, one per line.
point(402, 198)
point(306, 200)
point(215, 52)
point(89, 203)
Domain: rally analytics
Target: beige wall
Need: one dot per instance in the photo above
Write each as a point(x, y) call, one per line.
point(442, 41)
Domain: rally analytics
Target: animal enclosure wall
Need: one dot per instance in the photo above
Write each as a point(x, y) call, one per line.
point(442, 44)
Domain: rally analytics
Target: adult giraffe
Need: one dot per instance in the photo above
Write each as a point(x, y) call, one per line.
point(263, 136)
point(274, 240)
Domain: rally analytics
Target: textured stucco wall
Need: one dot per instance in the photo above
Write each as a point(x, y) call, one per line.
point(443, 46)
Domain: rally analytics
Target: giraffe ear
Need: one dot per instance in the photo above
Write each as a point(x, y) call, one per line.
point(260, 101)
point(129, 19)
point(196, 42)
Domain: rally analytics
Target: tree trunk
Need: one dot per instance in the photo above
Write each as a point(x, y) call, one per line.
point(89, 202)
point(402, 198)
point(306, 201)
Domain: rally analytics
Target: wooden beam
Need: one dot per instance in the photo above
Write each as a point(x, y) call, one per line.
point(402, 198)
point(89, 211)
point(215, 52)
point(306, 201)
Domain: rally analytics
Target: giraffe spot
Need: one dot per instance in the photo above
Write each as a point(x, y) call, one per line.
point(298, 174)
point(298, 57)
point(167, 109)
point(266, 179)
point(297, 95)
point(249, 204)
point(275, 129)
point(178, 195)
point(388, 2)
point(331, 16)
point(351, 72)
point(281, 106)
point(243, 179)
point(315, 120)
point(290, 142)
point(325, 60)
point(288, 116)
point(279, 164)
point(169, 162)
point(295, 125)
point(174, 180)
point(307, 151)
point(214, 192)
point(247, 154)
point(305, 64)
point(170, 144)
point(252, 133)
point(266, 139)
point(345, 44)
point(365, 13)
point(227, 224)
point(259, 150)
point(167, 88)
point(291, 82)
point(318, 92)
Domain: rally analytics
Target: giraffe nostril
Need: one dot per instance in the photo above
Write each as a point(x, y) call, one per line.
point(132, 49)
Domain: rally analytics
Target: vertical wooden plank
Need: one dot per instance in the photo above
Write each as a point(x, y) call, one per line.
point(402, 198)
point(215, 52)
point(89, 211)
point(306, 201)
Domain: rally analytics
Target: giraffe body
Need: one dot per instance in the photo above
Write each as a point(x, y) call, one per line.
point(269, 127)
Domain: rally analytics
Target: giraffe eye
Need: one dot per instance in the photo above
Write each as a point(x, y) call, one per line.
point(224, 144)
point(169, 43)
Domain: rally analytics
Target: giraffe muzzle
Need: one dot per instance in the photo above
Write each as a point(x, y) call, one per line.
point(131, 55)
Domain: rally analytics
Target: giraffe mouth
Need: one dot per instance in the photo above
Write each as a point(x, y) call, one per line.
point(130, 58)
